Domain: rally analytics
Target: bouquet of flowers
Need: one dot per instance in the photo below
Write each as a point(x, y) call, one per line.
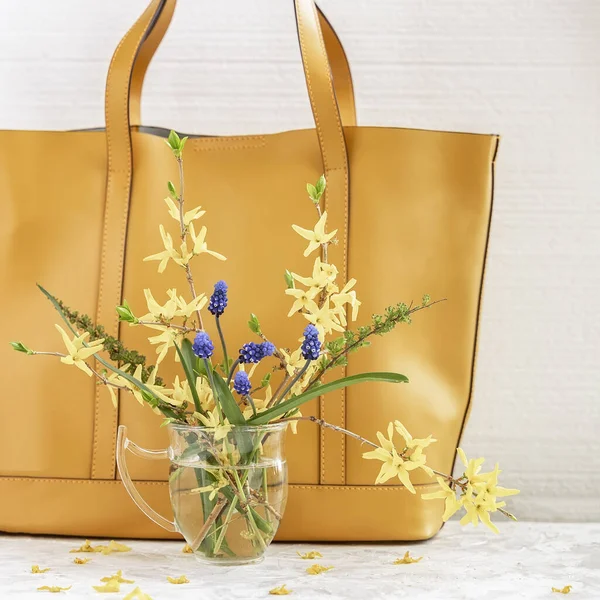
point(228, 478)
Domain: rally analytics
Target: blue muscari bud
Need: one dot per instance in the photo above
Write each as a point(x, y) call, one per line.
point(311, 346)
point(203, 346)
point(241, 383)
point(218, 300)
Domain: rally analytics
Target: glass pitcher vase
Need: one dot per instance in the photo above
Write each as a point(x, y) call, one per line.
point(228, 488)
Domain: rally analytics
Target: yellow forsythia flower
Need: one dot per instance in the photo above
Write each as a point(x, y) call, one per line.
point(452, 504)
point(566, 590)
point(399, 465)
point(407, 559)
point(81, 561)
point(188, 217)
point(310, 555)
point(316, 236)
point(36, 569)
point(187, 549)
point(118, 576)
point(200, 246)
point(110, 587)
point(317, 569)
point(280, 591)
point(54, 589)
point(137, 594)
point(77, 353)
point(178, 580)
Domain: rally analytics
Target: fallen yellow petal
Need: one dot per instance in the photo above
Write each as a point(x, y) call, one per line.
point(317, 569)
point(178, 580)
point(86, 547)
point(407, 559)
point(310, 555)
point(118, 576)
point(112, 586)
point(112, 547)
point(36, 569)
point(187, 549)
point(565, 590)
point(53, 588)
point(81, 561)
point(137, 594)
point(280, 591)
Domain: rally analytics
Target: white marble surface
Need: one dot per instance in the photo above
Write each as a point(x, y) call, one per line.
point(525, 561)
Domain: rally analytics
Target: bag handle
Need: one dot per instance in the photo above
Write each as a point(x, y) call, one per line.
point(334, 156)
point(340, 68)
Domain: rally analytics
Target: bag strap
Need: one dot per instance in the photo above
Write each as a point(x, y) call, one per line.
point(334, 156)
point(340, 68)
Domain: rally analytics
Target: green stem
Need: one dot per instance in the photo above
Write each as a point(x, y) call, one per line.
point(225, 524)
point(211, 380)
point(225, 356)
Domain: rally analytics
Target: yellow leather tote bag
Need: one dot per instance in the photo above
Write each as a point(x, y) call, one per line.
point(80, 211)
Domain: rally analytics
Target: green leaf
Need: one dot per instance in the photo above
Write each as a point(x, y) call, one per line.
point(321, 184)
point(227, 402)
point(289, 280)
point(312, 192)
point(283, 407)
point(189, 362)
point(254, 324)
point(21, 347)
point(173, 140)
point(266, 379)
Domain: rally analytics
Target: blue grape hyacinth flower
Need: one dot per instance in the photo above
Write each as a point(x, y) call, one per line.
point(203, 346)
point(218, 300)
point(241, 383)
point(311, 346)
point(254, 353)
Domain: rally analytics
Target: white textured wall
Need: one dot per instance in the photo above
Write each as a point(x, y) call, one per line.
point(528, 69)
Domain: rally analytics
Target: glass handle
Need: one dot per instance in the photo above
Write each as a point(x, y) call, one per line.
point(123, 444)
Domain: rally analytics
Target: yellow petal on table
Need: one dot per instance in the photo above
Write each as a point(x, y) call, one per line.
point(310, 555)
point(566, 590)
point(81, 561)
point(178, 580)
point(86, 547)
point(317, 569)
point(110, 587)
point(187, 549)
point(280, 591)
point(112, 547)
point(54, 589)
point(407, 559)
point(118, 576)
point(137, 594)
point(36, 569)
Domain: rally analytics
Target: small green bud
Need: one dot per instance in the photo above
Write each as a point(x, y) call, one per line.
point(289, 280)
point(253, 324)
point(176, 143)
point(172, 190)
point(312, 192)
point(125, 313)
point(20, 347)
point(426, 299)
point(266, 379)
